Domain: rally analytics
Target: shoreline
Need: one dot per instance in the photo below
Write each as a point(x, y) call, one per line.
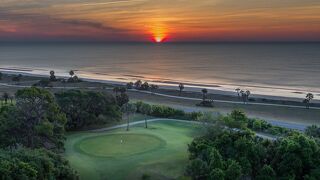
point(167, 86)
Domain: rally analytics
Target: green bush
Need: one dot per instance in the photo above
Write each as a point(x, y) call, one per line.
point(43, 83)
point(166, 112)
point(34, 164)
point(313, 131)
point(275, 130)
point(237, 119)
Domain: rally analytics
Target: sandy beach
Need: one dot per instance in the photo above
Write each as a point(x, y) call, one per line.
point(220, 90)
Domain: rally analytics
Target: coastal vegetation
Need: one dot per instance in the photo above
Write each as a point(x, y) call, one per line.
point(17, 78)
point(204, 94)
point(227, 154)
point(85, 109)
point(122, 98)
point(143, 86)
point(52, 76)
point(307, 100)
point(33, 139)
point(130, 85)
point(35, 121)
point(32, 131)
point(128, 109)
point(181, 88)
point(162, 111)
point(145, 109)
point(237, 137)
point(205, 101)
point(245, 95)
point(73, 77)
point(313, 131)
point(238, 92)
point(43, 83)
point(5, 97)
point(236, 119)
point(34, 164)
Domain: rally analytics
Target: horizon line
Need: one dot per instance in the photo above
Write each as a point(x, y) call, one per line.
point(149, 42)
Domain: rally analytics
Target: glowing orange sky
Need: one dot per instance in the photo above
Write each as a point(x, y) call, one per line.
point(160, 20)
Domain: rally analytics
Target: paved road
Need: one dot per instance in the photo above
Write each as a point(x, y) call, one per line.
point(265, 136)
point(229, 102)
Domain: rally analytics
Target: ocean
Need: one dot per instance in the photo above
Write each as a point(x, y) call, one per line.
point(275, 69)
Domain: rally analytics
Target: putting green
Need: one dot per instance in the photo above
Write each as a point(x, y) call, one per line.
point(114, 145)
point(161, 151)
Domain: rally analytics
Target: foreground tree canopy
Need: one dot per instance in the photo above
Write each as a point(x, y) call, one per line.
point(35, 121)
point(31, 136)
point(87, 108)
point(227, 154)
point(34, 164)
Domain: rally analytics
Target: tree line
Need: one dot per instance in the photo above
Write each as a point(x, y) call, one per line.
point(224, 154)
point(32, 130)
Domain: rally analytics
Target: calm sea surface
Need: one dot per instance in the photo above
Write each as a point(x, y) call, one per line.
point(283, 69)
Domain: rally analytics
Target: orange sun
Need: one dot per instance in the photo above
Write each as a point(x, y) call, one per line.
point(158, 39)
point(159, 34)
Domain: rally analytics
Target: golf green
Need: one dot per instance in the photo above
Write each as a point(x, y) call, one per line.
point(114, 145)
point(159, 152)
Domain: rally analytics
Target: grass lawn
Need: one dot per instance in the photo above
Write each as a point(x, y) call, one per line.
point(159, 151)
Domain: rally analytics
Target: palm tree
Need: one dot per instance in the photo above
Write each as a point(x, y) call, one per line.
point(181, 87)
point(153, 87)
point(71, 73)
point(11, 99)
point(307, 100)
point(243, 95)
point(204, 94)
point(5, 97)
point(248, 93)
point(128, 109)
point(145, 86)
point(75, 78)
point(238, 92)
point(309, 96)
point(52, 76)
point(138, 84)
point(145, 109)
point(130, 85)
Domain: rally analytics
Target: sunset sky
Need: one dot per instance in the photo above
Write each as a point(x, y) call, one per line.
point(160, 20)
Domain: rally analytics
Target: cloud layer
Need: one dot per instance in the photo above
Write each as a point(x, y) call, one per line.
point(180, 20)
